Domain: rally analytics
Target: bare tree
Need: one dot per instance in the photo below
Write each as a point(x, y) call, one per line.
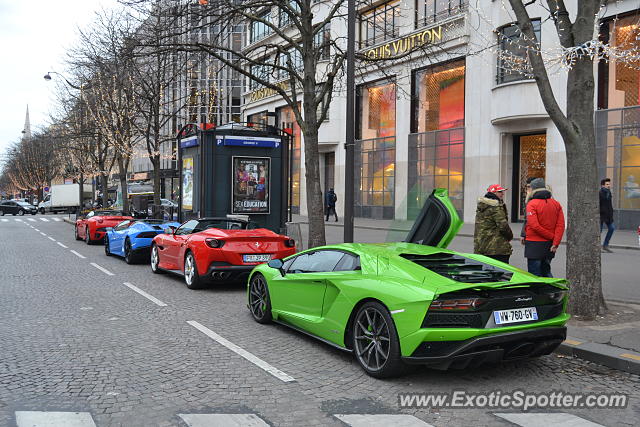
point(576, 126)
point(285, 62)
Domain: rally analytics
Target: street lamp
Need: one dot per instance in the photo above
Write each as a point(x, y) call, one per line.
point(47, 77)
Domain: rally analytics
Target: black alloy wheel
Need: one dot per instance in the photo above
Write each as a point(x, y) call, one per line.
point(87, 236)
point(128, 255)
point(107, 250)
point(1, 213)
point(375, 341)
point(259, 302)
point(42, 211)
point(20, 212)
point(75, 232)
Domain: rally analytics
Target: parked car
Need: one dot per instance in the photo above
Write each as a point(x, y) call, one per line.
point(14, 207)
point(93, 227)
point(131, 239)
point(216, 249)
point(392, 304)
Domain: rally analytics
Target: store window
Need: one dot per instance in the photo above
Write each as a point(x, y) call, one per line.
point(376, 151)
point(430, 11)
point(623, 77)
point(436, 146)
point(258, 118)
point(380, 24)
point(513, 61)
point(288, 123)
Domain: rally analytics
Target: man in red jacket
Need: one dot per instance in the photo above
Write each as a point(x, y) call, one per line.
point(544, 230)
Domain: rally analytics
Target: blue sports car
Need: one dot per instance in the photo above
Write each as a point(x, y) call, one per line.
point(132, 238)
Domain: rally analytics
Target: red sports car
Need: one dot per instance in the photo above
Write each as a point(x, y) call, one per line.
point(92, 227)
point(218, 249)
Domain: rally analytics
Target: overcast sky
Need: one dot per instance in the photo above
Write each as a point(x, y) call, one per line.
point(34, 36)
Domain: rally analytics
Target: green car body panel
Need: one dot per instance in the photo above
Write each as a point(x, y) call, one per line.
point(323, 303)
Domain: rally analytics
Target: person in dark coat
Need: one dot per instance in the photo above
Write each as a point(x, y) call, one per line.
point(330, 204)
point(544, 230)
point(606, 212)
point(492, 234)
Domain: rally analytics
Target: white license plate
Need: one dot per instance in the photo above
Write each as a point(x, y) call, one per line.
point(256, 258)
point(515, 315)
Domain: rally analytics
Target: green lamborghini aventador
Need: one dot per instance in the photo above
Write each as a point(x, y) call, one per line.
point(413, 302)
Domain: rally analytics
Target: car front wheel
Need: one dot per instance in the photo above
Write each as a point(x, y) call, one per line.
point(259, 302)
point(20, 212)
point(87, 236)
point(75, 232)
point(191, 276)
point(375, 341)
point(1, 213)
point(107, 250)
point(155, 259)
point(128, 254)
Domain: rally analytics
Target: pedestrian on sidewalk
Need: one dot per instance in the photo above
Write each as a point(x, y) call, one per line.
point(544, 230)
point(492, 234)
point(606, 212)
point(330, 204)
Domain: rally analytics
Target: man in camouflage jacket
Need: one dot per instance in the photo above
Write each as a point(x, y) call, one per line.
point(492, 235)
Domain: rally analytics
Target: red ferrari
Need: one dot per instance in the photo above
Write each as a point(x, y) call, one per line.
point(218, 249)
point(92, 227)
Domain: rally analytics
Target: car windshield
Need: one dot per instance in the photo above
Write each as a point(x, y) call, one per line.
point(223, 224)
point(108, 213)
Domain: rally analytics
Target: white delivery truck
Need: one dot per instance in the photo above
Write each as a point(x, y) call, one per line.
point(61, 198)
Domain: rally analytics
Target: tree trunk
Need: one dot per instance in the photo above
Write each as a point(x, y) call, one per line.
point(315, 204)
point(583, 233)
point(155, 162)
point(81, 185)
point(104, 183)
point(123, 166)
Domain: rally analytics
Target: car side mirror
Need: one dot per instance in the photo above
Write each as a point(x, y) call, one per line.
point(277, 264)
point(170, 230)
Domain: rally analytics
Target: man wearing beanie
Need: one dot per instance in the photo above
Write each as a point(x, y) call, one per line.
point(492, 235)
point(544, 229)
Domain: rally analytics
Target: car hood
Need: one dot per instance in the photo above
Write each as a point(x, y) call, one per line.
point(438, 222)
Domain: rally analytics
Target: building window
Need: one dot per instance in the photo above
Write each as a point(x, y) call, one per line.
point(430, 11)
point(258, 118)
point(379, 24)
point(322, 42)
point(259, 29)
point(620, 80)
point(290, 125)
point(436, 146)
point(285, 17)
point(376, 151)
point(513, 61)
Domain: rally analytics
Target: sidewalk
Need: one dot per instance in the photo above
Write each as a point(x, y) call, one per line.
point(612, 340)
point(622, 239)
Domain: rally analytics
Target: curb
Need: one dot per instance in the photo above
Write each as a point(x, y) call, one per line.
point(602, 354)
point(69, 221)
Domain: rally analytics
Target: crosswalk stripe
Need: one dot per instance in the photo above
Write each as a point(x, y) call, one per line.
point(56, 219)
point(223, 420)
point(31, 219)
point(44, 219)
point(381, 420)
point(19, 220)
point(54, 419)
point(5, 220)
point(557, 419)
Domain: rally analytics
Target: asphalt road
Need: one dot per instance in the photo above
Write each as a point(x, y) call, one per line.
point(88, 339)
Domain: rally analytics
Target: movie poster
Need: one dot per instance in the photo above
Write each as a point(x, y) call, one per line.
point(187, 183)
point(250, 185)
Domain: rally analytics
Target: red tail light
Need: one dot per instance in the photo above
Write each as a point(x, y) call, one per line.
point(290, 243)
point(214, 243)
point(456, 304)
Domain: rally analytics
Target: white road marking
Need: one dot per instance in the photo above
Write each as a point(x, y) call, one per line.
point(77, 254)
point(556, 419)
point(223, 420)
point(44, 219)
point(242, 352)
point(66, 247)
point(56, 219)
point(31, 219)
point(5, 220)
point(51, 238)
point(44, 234)
point(381, 420)
point(54, 419)
point(36, 229)
point(144, 294)
point(104, 270)
point(19, 220)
